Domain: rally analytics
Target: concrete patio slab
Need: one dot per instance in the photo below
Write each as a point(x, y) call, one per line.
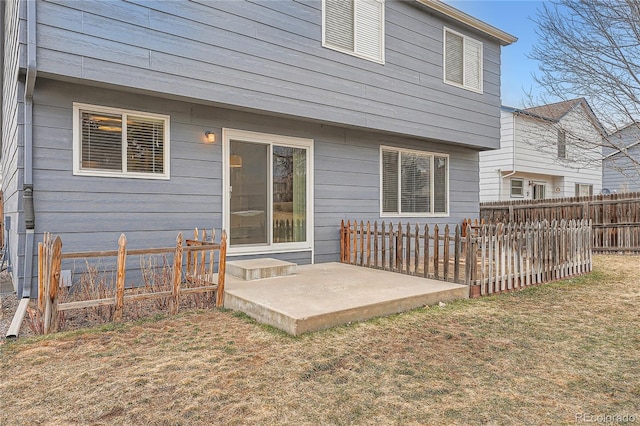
point(329, 294)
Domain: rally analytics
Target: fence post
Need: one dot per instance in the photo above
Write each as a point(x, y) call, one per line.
point(445, 260)
point(407, 249)
point(399, 251)
point(177, 275)
point(456, 255)
point(391, 246)
point(51, 303)
point(222, 266)
point(426, 251)
point(120, 280)
point(436, 253)
point(361, 243)
point(416, 250)
point(368, 244)
point(41, 274)
point(375, 244)
point(384, 247)
point(468, 259)
point(342, 241)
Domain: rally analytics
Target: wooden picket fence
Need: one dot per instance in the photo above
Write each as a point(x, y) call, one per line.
point(199, 276)
point(489, 259)
point(615, 217)
point(511, 256)
point(414, 250)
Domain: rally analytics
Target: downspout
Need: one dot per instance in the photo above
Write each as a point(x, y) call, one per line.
point(513, 149)
point(27, 189)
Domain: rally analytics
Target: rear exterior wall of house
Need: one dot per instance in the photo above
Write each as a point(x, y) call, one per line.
point(251, 66)
point(89, 213)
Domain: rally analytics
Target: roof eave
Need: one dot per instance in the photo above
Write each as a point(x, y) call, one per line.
point(503, 37)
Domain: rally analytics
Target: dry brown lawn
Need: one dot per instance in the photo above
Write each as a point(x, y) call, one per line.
point(540, 356)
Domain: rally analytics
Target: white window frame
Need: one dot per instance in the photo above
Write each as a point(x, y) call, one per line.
point(77, 143)
point(521, 180)
point(431, 182)
point(380, 58)
point(268, 139)
point(465, 40)
point(538, 183)
point(579, 187)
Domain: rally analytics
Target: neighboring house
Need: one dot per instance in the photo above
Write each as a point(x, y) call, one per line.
point(550, 151)
point(621, 166)
point(153, 117)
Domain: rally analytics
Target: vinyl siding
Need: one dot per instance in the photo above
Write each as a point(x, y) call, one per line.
point(267, 56)
point(12, 119)
point(90, 212)
point(497, 163)
point(622, 174)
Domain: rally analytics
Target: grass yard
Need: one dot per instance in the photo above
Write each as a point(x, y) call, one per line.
point(541, 356)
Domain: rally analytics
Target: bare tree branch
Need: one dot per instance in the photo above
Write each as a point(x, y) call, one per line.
point(591, 49)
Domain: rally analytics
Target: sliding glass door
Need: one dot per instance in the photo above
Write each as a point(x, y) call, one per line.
point(249, 205)
point(268, 191)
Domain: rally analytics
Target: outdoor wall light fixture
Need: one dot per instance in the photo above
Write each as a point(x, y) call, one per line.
point(210, 136)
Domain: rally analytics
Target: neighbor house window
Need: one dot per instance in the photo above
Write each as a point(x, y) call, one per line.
point(539, 190)
point(414, 183)
point(517, 187)
point(583, 190)
point(462, 61)
point(355, 27)
point(121, 143)
point(562, 144)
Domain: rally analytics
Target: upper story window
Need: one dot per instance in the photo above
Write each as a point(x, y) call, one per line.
point(355, 27)
point(462, 61)
point(414, 183)
point(562, 144)
point(121, 143)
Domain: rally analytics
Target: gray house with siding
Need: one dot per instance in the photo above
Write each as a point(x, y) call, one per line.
point(621, 165)
point(154, 117)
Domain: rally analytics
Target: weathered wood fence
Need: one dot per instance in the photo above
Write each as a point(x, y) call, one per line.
point(199, 276)
point(491, 258)
point(615, 217)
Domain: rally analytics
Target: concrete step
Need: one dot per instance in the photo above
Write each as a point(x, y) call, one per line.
point(256, 269)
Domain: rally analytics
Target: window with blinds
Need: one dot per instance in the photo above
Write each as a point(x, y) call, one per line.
point(414, 183)
point(462, 61)
point(112, 142)
point(355, 27)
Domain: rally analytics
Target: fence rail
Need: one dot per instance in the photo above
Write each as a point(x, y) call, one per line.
point(615, 217)
point(199, 276)
point(490, 258)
